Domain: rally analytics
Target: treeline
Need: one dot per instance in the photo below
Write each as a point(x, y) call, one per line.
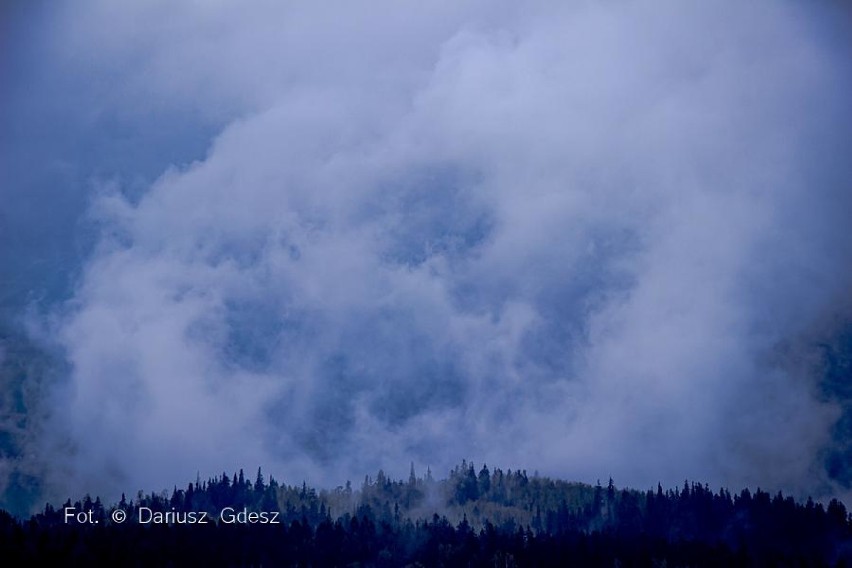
point(475, 517)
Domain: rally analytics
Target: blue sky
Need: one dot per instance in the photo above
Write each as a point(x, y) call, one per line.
point(585, 239)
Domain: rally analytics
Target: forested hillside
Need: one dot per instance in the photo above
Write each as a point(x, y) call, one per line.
point(476, 516)
point(26, 372)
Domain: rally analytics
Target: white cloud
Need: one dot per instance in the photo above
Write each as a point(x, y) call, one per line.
point(564, 239)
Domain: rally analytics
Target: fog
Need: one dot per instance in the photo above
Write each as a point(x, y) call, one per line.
point(603, 239)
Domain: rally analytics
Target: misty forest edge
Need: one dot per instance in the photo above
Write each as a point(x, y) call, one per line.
point(475, 515)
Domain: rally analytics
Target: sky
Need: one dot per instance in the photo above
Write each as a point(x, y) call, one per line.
point(588, 239)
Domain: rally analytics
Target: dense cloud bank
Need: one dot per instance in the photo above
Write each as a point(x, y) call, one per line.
point(595, 239)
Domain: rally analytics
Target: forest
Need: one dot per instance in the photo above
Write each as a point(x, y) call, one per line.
point(473, 517)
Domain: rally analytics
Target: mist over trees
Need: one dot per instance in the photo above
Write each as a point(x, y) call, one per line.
point(372, 227)
point(476, 516)
point(587, 238)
